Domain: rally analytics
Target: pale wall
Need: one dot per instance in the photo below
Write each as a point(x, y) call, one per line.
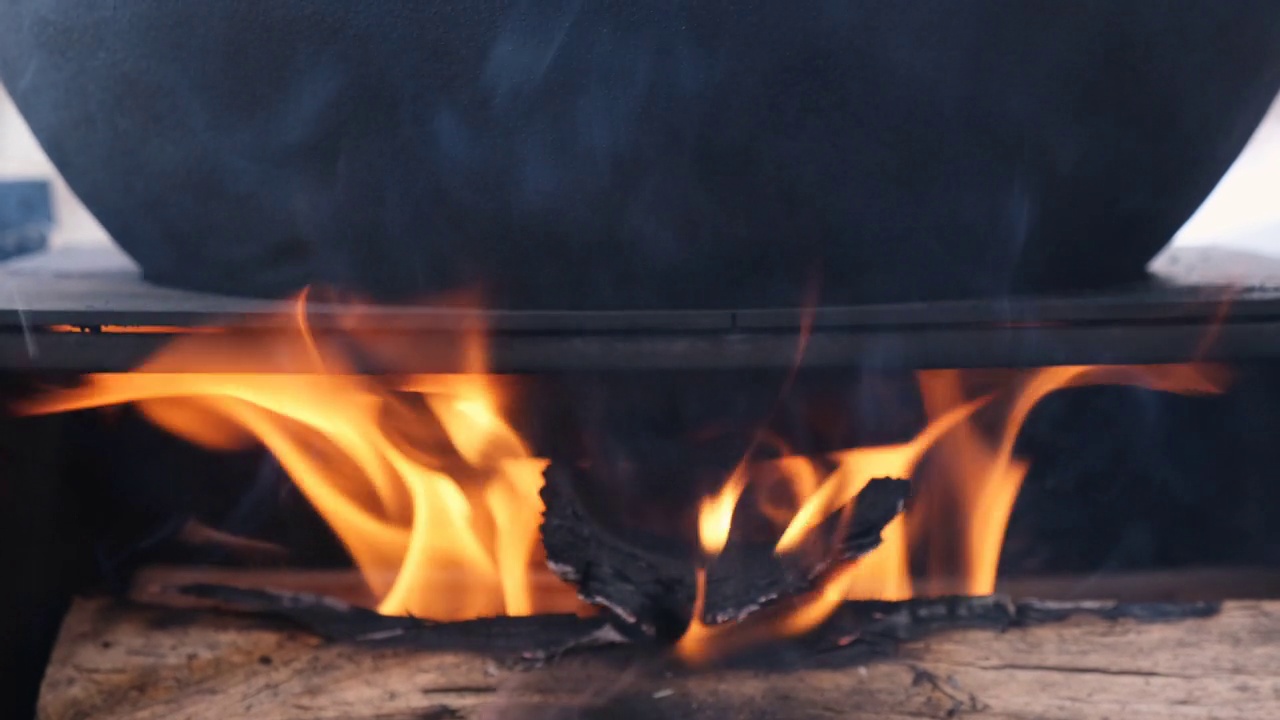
point(21, 157)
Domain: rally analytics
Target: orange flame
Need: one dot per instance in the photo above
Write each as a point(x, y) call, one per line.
point(432, 492)
point(134, 329)
point(702, 643)
point(883, 574)
point(855, 468)
point(786, 482)
point(437, 499)
point(716, 513)
point(958, 524)
point(980, 481)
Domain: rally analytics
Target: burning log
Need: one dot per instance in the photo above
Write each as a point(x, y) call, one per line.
point(856, 632)
point(655, 593)
point(116, 659)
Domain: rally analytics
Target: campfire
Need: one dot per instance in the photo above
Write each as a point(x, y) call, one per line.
point(451, 515)
point(812, 361)
point(322, 508)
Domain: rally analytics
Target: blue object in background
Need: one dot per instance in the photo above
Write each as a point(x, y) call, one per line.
point(26, 217)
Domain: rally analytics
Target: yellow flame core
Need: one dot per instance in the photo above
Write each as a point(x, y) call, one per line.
point(716, 513)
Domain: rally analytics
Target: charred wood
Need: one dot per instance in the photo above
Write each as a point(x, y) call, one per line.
point(654, 592)
point(858, 632)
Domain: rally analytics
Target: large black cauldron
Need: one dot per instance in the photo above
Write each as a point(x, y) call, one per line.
point(642, 153)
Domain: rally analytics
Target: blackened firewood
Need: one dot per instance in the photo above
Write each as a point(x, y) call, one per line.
point(332, 619)
point(747, 576)
point(654, 593)
point(1032, 612)
point(324, 616)
point(860, 631)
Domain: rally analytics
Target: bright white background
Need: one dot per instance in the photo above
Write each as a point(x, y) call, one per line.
point(1242, 213)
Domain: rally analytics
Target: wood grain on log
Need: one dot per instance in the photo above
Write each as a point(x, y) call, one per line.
point(117, 660)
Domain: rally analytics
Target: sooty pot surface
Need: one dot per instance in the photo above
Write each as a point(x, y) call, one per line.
point(590, 154)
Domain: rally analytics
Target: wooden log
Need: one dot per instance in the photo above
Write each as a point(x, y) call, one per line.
point(116, 660)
